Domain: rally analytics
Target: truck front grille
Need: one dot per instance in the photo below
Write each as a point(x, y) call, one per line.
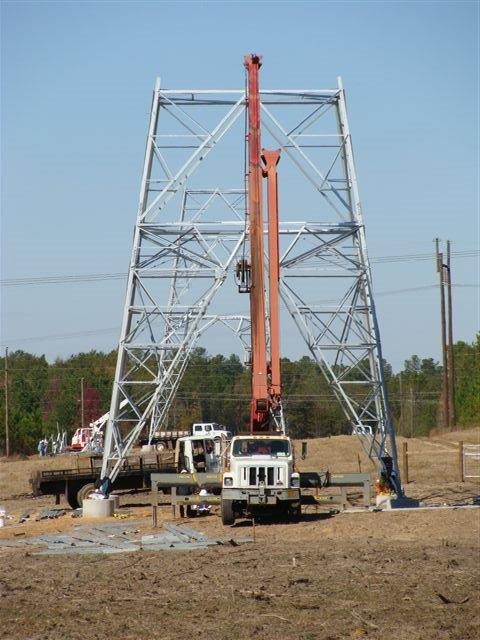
point(270, 476)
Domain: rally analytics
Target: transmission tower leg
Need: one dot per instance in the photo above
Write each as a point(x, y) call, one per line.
point(385, 431)
point(112, 437)
point(343, 338)
point(176, 269)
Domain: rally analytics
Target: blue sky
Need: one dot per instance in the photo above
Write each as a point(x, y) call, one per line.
point(76, 89)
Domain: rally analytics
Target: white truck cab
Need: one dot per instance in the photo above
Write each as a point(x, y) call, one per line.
point(362, 430)
point(260, 474)
point(212, 429)
point(201, 453)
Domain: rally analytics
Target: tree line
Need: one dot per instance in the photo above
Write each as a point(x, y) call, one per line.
point(44, 397)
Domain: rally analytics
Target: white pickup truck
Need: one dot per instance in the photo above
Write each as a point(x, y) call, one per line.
point(260, 475)
point(211, 429)
point(167, 439)
point(163, 439)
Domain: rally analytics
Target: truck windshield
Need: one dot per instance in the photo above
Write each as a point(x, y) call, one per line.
point(245, 448)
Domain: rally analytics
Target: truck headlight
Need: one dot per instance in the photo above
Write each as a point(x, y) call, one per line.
point(228, 482)
point(295, 480)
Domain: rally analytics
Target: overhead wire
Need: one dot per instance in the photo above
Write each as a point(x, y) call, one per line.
point(99, 277)
point(93, 332)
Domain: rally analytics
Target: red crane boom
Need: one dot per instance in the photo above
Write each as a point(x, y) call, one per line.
point(270, 160)
point(266, 385)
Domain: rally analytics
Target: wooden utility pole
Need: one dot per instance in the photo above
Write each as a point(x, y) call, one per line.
point(82, 403)
point(405, 462)
point(7, 426)
point(451, 364)
point(461, 468)
point(412, 411)
point(445, 390)
point(400, 385)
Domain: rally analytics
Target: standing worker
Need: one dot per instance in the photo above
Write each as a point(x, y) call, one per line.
point(183, 490)
point(42, 447)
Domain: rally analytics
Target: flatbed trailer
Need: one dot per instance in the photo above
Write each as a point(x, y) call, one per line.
point(75, 483)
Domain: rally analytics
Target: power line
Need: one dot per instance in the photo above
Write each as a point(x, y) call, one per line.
point(60, 336)
point(61, 279)
point(100, 277)
point(94, 332)
point(414, 257)
point(107, 368)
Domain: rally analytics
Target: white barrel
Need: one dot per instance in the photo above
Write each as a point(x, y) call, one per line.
point(93, 508)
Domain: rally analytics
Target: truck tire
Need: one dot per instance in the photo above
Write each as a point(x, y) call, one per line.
point(72, 497)
point(228, 514)
point(83, 492)
point(295, 513)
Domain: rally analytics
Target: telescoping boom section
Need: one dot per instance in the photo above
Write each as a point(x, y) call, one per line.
point(261, 472)
point(266, 386)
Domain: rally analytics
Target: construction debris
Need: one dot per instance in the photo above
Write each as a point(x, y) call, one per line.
point(50, 514)
point(116, 538)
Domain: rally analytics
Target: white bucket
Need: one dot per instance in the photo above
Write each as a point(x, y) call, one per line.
point(98, 508)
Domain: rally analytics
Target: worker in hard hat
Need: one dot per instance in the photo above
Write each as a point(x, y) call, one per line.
point(43, 447)
point(203, 509)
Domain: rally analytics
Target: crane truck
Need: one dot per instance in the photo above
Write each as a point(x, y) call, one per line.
point(256, 469)
point(260, 467)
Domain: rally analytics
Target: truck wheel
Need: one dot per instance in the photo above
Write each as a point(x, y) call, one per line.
point(228, 515)
point(83, 492)
point(295, 513)
point(72, 498)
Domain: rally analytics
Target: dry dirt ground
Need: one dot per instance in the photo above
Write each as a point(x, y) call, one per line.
point(405, 575)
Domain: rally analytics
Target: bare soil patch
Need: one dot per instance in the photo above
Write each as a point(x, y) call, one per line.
point(401, 575)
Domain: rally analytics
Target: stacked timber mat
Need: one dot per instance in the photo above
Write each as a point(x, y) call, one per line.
point(117, 538)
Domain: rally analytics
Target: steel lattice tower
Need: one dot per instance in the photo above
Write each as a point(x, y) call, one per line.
point(188, 239)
